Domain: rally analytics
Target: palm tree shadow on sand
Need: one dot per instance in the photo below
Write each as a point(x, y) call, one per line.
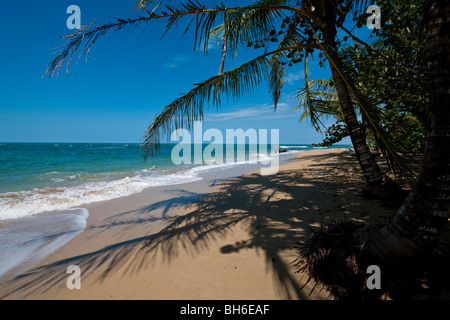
point(276, 212)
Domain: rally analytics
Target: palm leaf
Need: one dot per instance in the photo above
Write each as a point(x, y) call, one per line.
point(318, 99)
point(246, 23)
point(290, 39)
point(189, 107)
point(90, 34)
point(242, 24)
point(252, 24)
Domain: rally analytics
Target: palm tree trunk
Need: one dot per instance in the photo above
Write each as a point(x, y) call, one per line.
point(372, 172)
point(420, 220)
point(378, 183)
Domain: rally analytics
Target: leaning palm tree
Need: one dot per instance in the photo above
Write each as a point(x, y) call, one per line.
point(302, 28)
point(414, 229)
point(418, 223)
point(318, 100)
point(312, 25)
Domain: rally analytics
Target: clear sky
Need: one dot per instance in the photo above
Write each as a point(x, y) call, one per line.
point(125, 81)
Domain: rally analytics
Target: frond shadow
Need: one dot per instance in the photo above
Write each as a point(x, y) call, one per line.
point(275, 212)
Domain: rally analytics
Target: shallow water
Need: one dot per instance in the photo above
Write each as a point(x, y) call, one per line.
point(42, 183)
point(26, 241)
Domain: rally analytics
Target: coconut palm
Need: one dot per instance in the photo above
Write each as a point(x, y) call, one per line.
point(417, 224)
point(303, 27)
point(414, 229)
point(319, 100)
point(311, 25)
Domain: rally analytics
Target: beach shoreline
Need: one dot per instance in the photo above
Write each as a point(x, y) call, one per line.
point(212, 239)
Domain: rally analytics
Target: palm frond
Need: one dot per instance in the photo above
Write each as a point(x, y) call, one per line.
point(190, 107)
point(205, 19)
point(245, 23)
point(291, 38)
point(318, 99)
point(308, 96)
point(224, 44)
point(276, 78)
point(252, 24)
point(241, 24)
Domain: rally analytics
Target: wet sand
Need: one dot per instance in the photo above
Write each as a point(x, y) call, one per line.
point(213, 239)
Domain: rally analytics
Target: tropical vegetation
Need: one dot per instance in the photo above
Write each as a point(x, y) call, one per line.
point(398, 84)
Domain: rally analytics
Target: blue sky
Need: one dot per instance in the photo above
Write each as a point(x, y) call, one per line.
point(125, 81)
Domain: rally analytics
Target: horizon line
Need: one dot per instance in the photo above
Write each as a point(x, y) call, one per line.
point(90, 142)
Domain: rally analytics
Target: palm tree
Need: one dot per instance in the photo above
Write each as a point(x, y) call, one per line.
point(338, 255)
point(417, 224)
point(319, 100)
point(306, 26)
point(379, 183)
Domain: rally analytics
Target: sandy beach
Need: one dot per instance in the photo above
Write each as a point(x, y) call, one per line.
point(210, 239)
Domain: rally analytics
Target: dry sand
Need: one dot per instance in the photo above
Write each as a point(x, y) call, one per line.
point(208, 239)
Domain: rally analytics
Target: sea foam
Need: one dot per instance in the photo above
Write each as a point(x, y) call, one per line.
point(25, 242)
point(25, 203)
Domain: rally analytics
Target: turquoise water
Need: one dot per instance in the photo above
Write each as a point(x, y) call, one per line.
point(43, 187)
point(43, 177)
point(25, 166)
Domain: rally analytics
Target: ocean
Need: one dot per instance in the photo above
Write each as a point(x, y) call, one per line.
point(43, 187)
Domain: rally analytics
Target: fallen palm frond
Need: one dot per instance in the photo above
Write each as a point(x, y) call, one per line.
point(330, 259)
